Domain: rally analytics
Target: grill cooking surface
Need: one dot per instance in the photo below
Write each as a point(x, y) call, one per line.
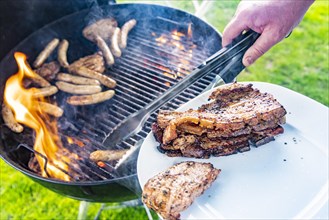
point(148, 67)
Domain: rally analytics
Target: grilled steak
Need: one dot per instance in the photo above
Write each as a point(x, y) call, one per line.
point(237, 116)
point(173, 190)
point(93, 62)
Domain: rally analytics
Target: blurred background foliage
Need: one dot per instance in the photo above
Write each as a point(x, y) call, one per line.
point(300, 62)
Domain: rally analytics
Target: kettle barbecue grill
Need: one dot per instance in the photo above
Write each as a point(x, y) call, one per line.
point(146, 70)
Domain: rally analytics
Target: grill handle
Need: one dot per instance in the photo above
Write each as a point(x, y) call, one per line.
point(134, 123)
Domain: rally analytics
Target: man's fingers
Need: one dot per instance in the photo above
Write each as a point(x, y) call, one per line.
point(234, 28)
point(262, 45)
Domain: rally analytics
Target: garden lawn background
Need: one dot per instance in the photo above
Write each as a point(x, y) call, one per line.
point(300, 62)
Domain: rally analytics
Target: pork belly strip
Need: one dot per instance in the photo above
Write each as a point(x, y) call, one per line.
point(236, 113)
point(201, 146)
point(173, 190)
point(233, 91)
point(211, 133)
point(204, 147)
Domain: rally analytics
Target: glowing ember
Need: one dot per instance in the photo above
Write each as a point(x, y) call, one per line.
point(72, 140)
point(174, 41)
point(161, 40)
point(69, 140)
point(22, 103)
point(101, 164)
point(189, 31)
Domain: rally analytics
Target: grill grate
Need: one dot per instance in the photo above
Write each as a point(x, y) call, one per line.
point(146, 69)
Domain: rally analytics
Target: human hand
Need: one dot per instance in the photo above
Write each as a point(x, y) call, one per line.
point(273, 19)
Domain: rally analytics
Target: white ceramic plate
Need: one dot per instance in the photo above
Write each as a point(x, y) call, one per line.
point(284, 179)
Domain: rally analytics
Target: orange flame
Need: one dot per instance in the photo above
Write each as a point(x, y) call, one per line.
point(22, 103)
point(174, 41)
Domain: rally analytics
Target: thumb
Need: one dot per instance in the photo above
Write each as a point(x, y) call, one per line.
point(234, 28)
point(261, 46)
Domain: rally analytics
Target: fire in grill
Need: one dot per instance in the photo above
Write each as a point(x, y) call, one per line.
point(160, 52)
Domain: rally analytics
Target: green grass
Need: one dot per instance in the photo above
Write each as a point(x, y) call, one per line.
point(300, 63)
point(21, 198)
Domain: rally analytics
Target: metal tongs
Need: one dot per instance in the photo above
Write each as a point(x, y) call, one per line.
point(134, 123)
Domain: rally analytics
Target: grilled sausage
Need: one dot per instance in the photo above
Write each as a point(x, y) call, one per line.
point(105, 50)
point(44, 92)
point(37, 79)
point(103, 28)
point(107, 155)
point(78, 89)
point(90, 99)
point(125, 31)
point(9, 119)
point(50, 47)
point(50, 109)
point(115, 39)
point(105, 80)
point(62, 53)
point(77, 79)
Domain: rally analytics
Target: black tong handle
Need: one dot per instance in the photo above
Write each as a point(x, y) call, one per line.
point(236, 49)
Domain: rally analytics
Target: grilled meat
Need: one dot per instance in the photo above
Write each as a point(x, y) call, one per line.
point(103, 28)
point(102, 78)
point(44, 92)
point(93, 62)
point(125, 31)
point(238, 115)
point(79, 80)
point(173, 190)
point(46, 52)
point(48, 70)
point(107, 155)
point(62, 53)
point(204, 147)
point(78, 89)
point(106, 51)
point(49, 108)
point(115, 39)
point(9, 119)
point(90, 99)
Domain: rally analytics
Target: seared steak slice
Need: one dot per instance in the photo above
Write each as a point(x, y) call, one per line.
point(172, 191)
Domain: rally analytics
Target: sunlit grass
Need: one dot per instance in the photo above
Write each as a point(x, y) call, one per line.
point(299, 62)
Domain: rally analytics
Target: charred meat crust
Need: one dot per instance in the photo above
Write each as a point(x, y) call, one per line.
point(93, 62)
point(204, 147)
point(48, 70)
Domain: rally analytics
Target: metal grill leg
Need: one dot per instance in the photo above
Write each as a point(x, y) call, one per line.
point(83, 210)
point(122, 205)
